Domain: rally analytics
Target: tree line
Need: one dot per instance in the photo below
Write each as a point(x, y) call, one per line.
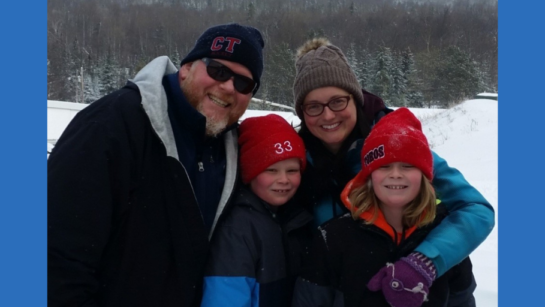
point(411, 53)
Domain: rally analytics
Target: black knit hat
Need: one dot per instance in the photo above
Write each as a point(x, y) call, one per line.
point(231, 42)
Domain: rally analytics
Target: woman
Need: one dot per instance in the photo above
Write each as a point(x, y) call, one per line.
point(337, 115)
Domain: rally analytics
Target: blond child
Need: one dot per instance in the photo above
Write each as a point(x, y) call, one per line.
point(354, 259)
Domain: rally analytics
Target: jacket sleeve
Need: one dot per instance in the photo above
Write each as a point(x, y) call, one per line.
point(230, 277)
point(470, 219)
point(83, 173)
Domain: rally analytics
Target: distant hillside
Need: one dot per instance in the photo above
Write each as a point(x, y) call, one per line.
point(411, 54)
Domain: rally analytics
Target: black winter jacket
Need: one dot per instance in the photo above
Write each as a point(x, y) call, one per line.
point(346, 254)
point(256, 255)
point(124, 227)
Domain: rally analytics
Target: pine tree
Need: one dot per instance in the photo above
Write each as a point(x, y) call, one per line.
point(413, 95)
point(175, 57)
point(277, 81)
point(368, 69)
point(50, 92)
point(109, 74)
point(93, 89)
point(407, 64)
point(398, 84)
point(250, 12)
point(355, 63)
point(457, 77)
point(72, 86)
point(382, 80)
point(159, 39)
point(427, 73)
point(485, 82)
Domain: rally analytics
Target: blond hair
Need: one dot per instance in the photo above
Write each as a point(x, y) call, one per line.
point(419, 212)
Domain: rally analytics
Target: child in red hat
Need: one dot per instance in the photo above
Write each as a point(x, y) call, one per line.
point(258, 249)
point(392, 208)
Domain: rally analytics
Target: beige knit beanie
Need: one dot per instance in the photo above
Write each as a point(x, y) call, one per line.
point(320, 64)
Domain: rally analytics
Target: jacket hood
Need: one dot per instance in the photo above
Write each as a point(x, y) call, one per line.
point(154, 99)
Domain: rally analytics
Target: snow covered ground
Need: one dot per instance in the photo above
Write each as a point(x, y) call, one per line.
point(467, 137)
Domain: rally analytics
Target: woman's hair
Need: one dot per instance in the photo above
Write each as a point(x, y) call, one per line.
point(419, 212)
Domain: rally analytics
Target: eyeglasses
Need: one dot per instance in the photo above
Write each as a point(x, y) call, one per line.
point(336, 104)
point(220, 72)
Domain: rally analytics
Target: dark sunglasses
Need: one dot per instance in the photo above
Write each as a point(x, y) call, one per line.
point(220, 72)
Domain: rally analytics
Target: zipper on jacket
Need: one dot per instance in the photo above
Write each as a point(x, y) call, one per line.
point(181, 164)
point(401, 239)
point(200, 164)
point(199, 161)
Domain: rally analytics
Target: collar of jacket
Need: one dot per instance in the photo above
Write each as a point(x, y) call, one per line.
point(246, 197)
point(182, 114)
point(381, 223)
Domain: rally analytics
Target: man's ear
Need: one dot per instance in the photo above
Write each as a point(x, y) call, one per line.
point(184, 71)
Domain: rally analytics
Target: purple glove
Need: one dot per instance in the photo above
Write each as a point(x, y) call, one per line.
point(405, 283)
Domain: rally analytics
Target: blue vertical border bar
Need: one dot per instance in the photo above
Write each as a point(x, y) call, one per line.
point(521, 154)
point(23, 195)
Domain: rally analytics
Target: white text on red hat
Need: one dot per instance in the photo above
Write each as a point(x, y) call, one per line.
point(280, 149)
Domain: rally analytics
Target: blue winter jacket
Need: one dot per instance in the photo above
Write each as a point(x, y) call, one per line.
point(256, 254)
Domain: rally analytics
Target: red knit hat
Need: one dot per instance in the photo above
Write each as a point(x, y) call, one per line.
point(265, 140)
point(397, 137)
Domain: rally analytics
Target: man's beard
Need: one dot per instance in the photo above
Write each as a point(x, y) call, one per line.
point(214, 125)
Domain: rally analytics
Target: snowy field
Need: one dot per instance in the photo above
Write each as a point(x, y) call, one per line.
point(467, 137)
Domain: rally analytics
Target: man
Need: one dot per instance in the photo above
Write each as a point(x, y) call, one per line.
point(139, 179)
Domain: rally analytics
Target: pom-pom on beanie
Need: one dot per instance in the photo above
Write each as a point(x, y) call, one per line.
point(320, 64)
point(397, 137)
point(265, 140)
point(231, 42)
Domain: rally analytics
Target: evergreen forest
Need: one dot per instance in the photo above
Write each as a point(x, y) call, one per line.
point(411, 53)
